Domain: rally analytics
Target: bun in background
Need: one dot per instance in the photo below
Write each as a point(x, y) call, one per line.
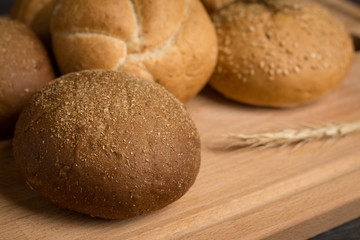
point(172, 43)
point(24, 68)
point(279, 53)
point(36, 14)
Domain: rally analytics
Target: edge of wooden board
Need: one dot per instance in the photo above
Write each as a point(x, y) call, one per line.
point(320, 214)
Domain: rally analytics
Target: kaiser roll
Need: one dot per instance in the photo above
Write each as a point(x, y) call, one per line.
point(36, 14)
point(24, 68)
point(279, 53)
point(170, 42)
point(107, 144)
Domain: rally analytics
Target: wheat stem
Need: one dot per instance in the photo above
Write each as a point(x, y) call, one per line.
point(294, 136)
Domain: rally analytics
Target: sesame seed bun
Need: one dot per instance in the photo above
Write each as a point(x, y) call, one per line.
point(279, 53)
point(107, 144)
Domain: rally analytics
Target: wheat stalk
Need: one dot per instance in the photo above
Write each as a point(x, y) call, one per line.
point(293, 136)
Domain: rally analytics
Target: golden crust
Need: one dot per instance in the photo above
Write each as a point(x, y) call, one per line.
point(181, 68)
point(35, 14)
point(159, 36)
point(279, 53)
point(107, 144)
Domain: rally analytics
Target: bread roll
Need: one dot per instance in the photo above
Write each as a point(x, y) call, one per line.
point(170, 42)
point(107, 144)
point(24, 68)
point(213, 5)
point(279, 53)
point(36, 14)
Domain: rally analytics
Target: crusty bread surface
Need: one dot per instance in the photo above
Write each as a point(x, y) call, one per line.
point(107, 144)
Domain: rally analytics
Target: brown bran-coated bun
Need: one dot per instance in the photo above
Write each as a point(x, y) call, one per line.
point(36, 14)
point(170, 42)
point(213, 5)
point(107, 144)
point(280, 53)
point(24, 68)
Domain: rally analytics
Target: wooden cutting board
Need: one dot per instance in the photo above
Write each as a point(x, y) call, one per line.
point(287, 193)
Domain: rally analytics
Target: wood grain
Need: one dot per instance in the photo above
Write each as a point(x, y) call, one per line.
point(245, 194)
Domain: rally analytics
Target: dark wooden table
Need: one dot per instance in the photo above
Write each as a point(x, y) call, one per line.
point(348, 231)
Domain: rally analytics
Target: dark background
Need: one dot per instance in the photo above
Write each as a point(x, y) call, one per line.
point(5, 6)
point(348, 231)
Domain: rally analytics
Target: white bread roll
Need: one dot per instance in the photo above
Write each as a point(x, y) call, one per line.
point(169, 42)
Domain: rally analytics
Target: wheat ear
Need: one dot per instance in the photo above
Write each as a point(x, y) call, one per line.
point(294, 136)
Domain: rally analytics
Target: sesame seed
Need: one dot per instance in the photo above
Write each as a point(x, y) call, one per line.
point(227, 41)
point(262, 64)
point(251, 28)
point(304, 17)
